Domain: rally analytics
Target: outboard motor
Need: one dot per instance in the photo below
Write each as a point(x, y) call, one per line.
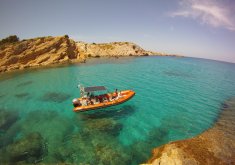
point(76, 103)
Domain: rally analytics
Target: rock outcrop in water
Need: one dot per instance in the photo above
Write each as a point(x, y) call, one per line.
point(44, 51)
point(215, 146)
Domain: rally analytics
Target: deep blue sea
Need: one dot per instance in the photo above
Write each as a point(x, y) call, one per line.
point(176, 98)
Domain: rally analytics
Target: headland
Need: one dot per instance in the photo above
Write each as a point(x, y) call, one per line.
point(44, 51)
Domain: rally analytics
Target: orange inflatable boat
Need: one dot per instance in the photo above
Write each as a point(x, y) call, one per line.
point(90, 101)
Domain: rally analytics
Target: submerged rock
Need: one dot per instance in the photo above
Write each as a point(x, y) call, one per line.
point(24, 84)
point(177, 74)
point(55, 97)
point(29, 149)
point(140, 149)
point(97, 148)
point(8, 136)
point(114, 113)
point(108, 154)
point(2, 95)
point(108, 126)
point(52, 126)
point(96, 142)
point(7, 118)
point(22, 95)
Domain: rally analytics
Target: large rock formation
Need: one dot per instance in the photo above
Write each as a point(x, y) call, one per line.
point(44, 51)
point(37, 51)
point(215, 146)
point(114, 49)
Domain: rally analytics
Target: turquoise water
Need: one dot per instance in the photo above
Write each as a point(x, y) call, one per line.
point(176, 98)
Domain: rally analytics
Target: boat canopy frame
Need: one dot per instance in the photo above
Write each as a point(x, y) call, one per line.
point(85, 90)
point(94, 89)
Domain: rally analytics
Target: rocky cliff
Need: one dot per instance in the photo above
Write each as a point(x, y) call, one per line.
point(114, 49)
point(215, 146)
point(44, 51)
point(37, 51)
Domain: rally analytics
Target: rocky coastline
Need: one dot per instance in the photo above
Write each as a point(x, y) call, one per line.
point(214, 146)
point(45, 51)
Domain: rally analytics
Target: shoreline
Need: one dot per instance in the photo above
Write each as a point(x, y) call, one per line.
point(214, 146)
point(78, 62)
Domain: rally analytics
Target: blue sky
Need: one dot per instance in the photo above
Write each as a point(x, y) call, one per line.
point(198, 28)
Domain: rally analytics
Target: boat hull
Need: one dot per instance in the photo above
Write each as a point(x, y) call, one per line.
point(125, 96)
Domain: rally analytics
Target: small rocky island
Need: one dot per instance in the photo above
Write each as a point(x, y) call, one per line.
point(44, 51)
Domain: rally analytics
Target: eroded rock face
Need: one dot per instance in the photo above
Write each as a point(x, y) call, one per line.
point(214, 146)
point(38, 51)
point(114, 49)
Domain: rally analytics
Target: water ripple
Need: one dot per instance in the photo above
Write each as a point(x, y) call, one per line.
point(175, 99)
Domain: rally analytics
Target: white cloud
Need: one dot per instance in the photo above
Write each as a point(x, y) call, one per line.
point(209, 12)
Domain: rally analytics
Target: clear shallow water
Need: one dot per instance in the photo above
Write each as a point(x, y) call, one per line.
point(176, 98)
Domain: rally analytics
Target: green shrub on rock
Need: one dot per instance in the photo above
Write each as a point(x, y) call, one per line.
point(10, 39)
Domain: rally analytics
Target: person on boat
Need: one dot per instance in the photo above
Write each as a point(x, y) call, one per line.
point(107, 97)
point(110, 97)
point(119, 94)
point(96, 99)
point(92, 95)
point(84, 102)
point(100, 98)
point(115, 94)
point(88, 101)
